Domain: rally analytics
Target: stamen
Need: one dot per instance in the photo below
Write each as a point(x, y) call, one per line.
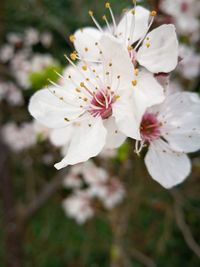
point(132, 28)
point(91, 14)
point(88, 90)
point(53, 83)
point(107, 5)
point(72, 38)
point(107, 23)
point(153, 14)
point(73, 55)
point(134, 82)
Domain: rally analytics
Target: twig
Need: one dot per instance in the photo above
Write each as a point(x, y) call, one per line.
point(184, 228)
point(13, 230)
point(50, 189)
point(145, 260)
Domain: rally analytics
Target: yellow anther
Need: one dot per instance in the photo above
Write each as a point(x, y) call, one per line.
point(90, 12)
point(117, 97)
point(104, 17)
point(73, 56)
point(133, 11)
point(153, 13)
point(134, 2)
point(134, 82)
point(82, 84)
point(86, 49)
point(72, 38)
point(136, 72)
point(130, 48)
point(84, 68)
point(148, 45)
point(85, 99)
point(107, 5)
point(124, 10)
point(78, 90)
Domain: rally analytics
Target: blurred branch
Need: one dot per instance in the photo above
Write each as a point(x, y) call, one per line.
point(139, 256)
point(182, 225)
point(46, 193)
point(13, 228)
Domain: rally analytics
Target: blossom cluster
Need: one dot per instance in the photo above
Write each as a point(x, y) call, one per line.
point(90, 184)
point(18, 55)
point(120, 88)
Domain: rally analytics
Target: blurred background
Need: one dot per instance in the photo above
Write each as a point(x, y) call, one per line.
point(45, 221)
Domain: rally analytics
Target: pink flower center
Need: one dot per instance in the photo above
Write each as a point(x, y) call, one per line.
point(184, 7)
point(101, 104)
point(150, 127)
point(132, 55)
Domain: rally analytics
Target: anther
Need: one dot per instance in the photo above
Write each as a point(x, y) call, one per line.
point(134, 82)
point(153, 13)
point(84, 68)
point(73, 56)
point(136, 71)
point(72, 38)
point(90, 12)
point(107, 5)
point(133, 11)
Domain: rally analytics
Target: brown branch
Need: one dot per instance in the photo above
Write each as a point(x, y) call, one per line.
point(13, 229)
point(142, 258)
point(182, 225)
point(46, 193)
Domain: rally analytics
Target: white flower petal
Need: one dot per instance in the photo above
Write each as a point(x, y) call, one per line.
point(84, 43)
point(53, 110)
point(118, 68)
point(126, 118)
point(114, 137)
point(162, 54)
point(181, 114)
point(146, 93)
point(127, 29)
point(167, 167)
point(62, 136)
point(87, 141)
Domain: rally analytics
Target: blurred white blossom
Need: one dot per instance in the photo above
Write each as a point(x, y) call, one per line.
point(6, 53)
point(78, 206)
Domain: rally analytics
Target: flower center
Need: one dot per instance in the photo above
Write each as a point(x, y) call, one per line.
point(132, 55)
point(101, 104)
point(184, 7)
point(150, 127)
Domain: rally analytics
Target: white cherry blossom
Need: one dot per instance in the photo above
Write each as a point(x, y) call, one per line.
point(171, 130)
point(157, 50)
point(189, 66)
point(98, 104)
point(78, 206)
point(184, 14)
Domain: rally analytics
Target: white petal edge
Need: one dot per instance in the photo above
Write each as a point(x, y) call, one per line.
point(87, 141)
point(51, 110)
point(114, 137)
point(167, 167)
point(159, 51)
